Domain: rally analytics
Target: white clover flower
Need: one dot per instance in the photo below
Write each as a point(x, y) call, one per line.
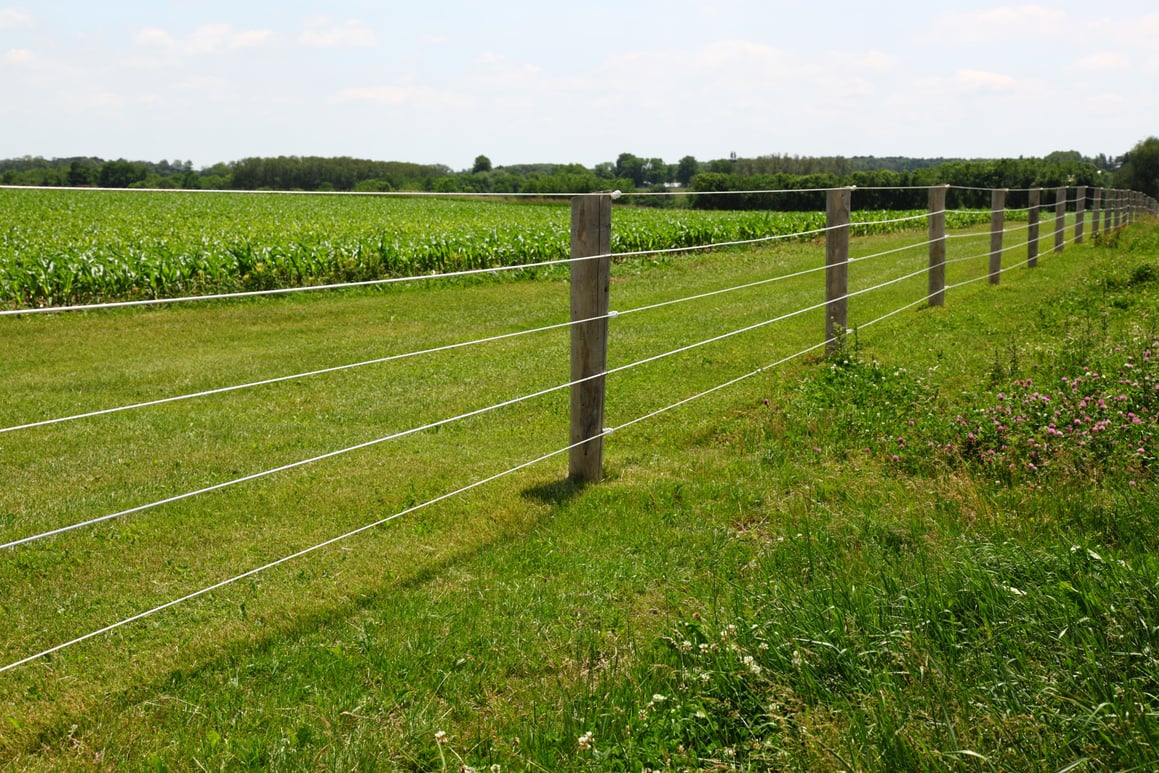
point(440, 737)
point(586, 741)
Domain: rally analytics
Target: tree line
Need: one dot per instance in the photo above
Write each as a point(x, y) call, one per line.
point(715, 184)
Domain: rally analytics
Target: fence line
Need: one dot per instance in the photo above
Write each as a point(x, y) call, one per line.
point(605, 431)
point(1114, 216)
point(845, 296)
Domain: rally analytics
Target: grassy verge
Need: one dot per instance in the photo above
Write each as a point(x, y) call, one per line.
point(822, 568)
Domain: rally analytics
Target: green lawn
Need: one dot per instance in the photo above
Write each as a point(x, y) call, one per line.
point(819, 568)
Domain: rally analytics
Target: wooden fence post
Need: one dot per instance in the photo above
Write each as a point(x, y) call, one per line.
point(1096, 210)
point(1080, 212)
point(1032, 230)
point(591, 234)
point(997, 225)
point(1060, 219)
point(837, 211)
point(937, 282)
point(1108, 204)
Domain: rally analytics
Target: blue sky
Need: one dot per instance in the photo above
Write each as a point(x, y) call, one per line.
point(444, 81)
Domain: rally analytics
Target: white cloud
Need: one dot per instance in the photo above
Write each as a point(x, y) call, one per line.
point(103, 100)
point(1022, 17)
point(211, 38)
point(14, 18)
point(1102, 63)
point(1107, 100)
point(18, 56)
point(155, 38)
point(979, 80)
point(418, 97)
point(391, 95)
point(1017, 22)
point(251, 38)
point(323, 32)
point(876, 61)
point(207, 39)
point(738, 54)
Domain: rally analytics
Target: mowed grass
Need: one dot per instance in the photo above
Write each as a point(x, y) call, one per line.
point(758, 584)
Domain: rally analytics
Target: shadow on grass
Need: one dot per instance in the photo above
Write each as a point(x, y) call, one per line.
point(53, 733)
point(557, 492)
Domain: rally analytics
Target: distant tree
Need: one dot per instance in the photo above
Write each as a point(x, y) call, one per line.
point(121, 174)
point(605, 170)
point(721, 166)
point(686, 169)
point(1140, 169)
point(631, 167)
point(655, 171)
point(377, 185)
point(482, 164)
point(80, 174)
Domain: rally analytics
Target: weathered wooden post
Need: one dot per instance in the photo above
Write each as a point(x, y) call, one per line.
point(1080, 212)
point(591, 235)
point(937, 218)
point(1060, 219)
point(1032, 229)
point(837, 211)
point(997, 227)
point(1096, 210)
point(1108, 205)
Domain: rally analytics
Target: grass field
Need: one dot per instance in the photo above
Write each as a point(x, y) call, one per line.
point(823, 567)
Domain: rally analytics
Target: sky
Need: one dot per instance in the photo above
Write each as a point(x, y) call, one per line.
point(444, 81)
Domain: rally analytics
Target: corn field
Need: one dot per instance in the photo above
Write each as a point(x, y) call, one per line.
point(60, 247)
